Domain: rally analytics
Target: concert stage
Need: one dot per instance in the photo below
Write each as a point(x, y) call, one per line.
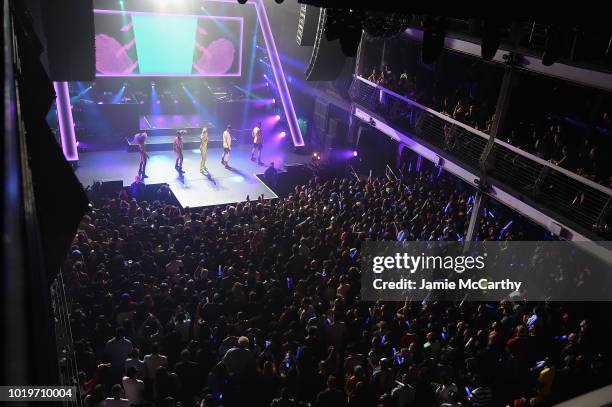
point(191, 189)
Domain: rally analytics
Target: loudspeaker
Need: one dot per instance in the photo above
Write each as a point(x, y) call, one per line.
point(69, 29)
point(324, 51)
point(307, 25)
point(111, 188)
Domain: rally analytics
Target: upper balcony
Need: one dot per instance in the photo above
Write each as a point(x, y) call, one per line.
point(563, 194)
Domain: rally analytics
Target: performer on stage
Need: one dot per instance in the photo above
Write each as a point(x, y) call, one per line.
point(178, 149)
point(227, 146)
point(257, 143)
point(203, 149)
point(140, 140)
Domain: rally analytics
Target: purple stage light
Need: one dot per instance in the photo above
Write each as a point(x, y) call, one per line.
point(277, 117)
point(273, 101)
point(283, 134)
point(354, 153)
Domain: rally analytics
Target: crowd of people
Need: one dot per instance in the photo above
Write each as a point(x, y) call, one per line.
point(460, 106)
point(258, 304)
point(564, 144)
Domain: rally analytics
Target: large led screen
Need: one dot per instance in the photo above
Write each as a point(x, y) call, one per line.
point(154, 44)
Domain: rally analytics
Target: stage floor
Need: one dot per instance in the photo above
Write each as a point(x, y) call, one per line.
point(192, 188)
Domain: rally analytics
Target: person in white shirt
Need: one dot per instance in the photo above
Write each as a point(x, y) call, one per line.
point(227, 145)
point(115, 400)
point(134, 388)
point(153, 361)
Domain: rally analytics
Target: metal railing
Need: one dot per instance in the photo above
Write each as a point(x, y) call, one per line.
point(65, 345)
point(564, 192)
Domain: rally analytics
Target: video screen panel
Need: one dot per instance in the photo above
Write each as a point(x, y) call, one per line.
point(155, 44)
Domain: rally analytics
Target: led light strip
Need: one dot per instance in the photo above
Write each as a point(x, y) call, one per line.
point(66, 123)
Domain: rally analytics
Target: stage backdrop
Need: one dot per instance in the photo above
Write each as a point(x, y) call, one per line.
point(130, 43)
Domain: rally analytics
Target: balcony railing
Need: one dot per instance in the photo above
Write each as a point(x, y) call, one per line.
point(581, 200)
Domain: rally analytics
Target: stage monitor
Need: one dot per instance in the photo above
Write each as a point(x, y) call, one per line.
point(130, 43)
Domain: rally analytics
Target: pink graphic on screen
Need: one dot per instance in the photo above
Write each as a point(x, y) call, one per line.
point(112, 57)
point(215, 59)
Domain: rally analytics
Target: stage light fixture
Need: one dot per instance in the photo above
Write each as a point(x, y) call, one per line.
point(277, 117)
point(491, 38)
point(273, 100)
point(283, 134)
point(354, 153)
point(433, 39)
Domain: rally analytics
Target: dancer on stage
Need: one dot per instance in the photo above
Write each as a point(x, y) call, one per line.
point(227, 146)
point(178, 149)
point(141, 139)
point(257, 143)
point(203, 149)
